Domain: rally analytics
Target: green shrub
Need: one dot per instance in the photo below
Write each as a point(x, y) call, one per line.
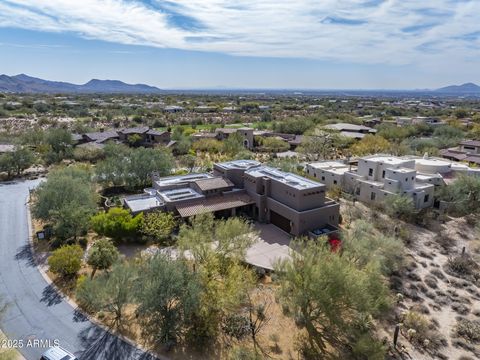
point(66, 261)
point(117, 223)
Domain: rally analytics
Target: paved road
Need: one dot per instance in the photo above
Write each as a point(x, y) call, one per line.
point(36, 310)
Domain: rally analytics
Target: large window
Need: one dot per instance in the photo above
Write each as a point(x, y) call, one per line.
point(373, 196)
point(370, 172)
point(426, 198)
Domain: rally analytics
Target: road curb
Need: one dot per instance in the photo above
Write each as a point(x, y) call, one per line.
point(71, 302)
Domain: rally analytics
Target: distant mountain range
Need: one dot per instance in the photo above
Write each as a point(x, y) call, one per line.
point(468, 88)
point(26, 84)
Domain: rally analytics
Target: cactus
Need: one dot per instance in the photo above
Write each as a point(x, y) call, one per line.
point(411, 333)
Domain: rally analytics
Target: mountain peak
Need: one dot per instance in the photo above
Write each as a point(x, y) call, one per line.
point(464, 88)
point(23, 83)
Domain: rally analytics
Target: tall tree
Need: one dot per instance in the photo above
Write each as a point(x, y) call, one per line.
point(17, 161)
point(330, 296)
point(218, 247)
point(133, 168)
point(110, 292)
point(168, 297)
point(67, 198)
point(370, 144)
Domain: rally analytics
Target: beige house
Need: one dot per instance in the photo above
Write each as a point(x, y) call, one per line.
point(378, 176)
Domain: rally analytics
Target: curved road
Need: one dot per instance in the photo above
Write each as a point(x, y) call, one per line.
point(36, 310)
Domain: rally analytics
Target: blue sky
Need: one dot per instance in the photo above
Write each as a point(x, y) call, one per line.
point(319, 44)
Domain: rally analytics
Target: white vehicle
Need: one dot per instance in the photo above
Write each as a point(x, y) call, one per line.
point(57, 353)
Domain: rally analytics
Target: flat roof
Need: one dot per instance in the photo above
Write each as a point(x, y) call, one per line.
point(403, 170)
point(429, 176)
point(349, 127)
point(371, 182)
point(143, 203)
point(181, 179)
point(432, 161)
point(392, 160)
point(293, 180)
point(324, 165)
point(179, 194)
point(239, 164)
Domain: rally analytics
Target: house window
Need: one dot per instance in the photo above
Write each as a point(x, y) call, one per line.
point(373, 196)
point(323, 177)
point(370, 172)
point(426, 198)
point(357, 191)
point(383, 174)
point(406, 179)
point(335, 182)
point(413, 177)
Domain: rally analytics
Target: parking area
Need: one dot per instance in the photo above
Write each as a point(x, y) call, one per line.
point(271, 246)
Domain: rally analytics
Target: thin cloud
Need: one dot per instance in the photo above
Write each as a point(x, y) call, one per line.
point(362, 31)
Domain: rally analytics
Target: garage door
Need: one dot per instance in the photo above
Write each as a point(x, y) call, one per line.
point(281, 221)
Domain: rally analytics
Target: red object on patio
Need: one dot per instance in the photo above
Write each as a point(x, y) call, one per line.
point(335, 244)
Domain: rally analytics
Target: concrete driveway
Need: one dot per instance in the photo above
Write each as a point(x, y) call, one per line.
point(271, 245)
point(36, 310)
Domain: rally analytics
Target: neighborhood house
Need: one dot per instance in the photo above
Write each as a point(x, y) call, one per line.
point(244, 188)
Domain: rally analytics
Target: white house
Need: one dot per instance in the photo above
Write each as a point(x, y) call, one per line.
point(377, 177)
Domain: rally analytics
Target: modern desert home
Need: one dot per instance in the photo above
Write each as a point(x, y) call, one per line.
point(293, 203)
point(377, 177)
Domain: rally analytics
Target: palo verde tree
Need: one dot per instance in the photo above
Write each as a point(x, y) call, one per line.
point(370, 144)
point(110, 292)
point(463, 196)
point(168, 297)
point(218, 247)
point(331, 297)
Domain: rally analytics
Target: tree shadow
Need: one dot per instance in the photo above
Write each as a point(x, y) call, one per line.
point(101, 345)
point(78, 316)
point(51, 296)
point(25, 253)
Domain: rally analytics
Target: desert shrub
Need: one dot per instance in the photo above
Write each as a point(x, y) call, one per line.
point(368, 348)
point(462, 265)
point(438, 274)
point(418, 322)
point(468, 329)
point(88, 154)
point(117, 223)
point(460, 308)
point(236, 326)
point(400, 207)
point(431, 281)
point(243, 353)
point(66, 261)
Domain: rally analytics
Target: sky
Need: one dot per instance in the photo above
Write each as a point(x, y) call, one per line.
point(195, 44)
